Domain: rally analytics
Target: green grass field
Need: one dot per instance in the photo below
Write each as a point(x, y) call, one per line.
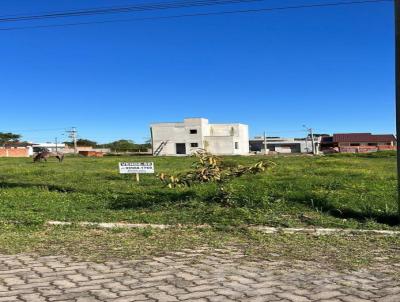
point(329, 191)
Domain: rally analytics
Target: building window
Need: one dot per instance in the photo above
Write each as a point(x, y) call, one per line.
point(193, 131)
point(354, 144)
point(372, 144)
point(180, 148)
point(236, 145)
point(194, 145)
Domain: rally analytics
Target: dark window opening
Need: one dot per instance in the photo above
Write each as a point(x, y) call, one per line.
point(193, 131)
point(236, 145)
point(372, 144)
point(180, 149)
point(194, 145)
point(354, 144)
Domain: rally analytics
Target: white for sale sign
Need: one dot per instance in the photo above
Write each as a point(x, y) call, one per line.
point(136, 168)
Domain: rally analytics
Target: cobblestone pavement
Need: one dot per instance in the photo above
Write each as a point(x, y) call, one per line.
point(186, 276)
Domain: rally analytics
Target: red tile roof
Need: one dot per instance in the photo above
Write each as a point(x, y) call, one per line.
point(362, 138)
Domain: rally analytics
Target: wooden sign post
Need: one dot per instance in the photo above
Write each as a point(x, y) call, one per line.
point(136, 168)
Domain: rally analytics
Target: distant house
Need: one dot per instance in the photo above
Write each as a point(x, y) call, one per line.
point(282, 145)
point(52, 147)
point(358, 142)
point(184, 138)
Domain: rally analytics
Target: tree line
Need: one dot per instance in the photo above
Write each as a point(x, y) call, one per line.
point(118, 145)
point(121, 145)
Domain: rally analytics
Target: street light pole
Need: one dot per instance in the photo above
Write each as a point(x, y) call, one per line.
point(397, 77)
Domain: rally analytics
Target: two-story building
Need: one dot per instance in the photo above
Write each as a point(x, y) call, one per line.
point(184, 138)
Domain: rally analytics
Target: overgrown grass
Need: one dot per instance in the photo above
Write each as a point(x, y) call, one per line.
point(331, 191)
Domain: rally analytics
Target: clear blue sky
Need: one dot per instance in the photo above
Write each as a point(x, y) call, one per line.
point(330, 68)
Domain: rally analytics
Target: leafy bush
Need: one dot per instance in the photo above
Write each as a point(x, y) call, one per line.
point(210, 169)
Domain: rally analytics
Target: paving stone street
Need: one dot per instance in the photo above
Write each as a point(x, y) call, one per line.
point(198, 275)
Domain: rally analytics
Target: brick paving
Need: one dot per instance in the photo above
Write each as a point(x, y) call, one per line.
point(199, 275)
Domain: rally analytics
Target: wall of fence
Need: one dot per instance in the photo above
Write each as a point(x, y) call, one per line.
point(14, 152)
point(365, 149)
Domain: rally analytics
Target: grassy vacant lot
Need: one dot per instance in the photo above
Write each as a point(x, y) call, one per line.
point(330, 191)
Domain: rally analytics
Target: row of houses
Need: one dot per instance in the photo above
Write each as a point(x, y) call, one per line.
point(25, 149)
point(358, 142)
point(183, 138)
point(341, 142)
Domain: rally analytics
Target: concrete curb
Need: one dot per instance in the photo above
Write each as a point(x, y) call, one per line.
point(263, 229)
point(322, 231)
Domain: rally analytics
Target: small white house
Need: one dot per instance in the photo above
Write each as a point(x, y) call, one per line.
point(196, 133)
point(283, 145)
point(52, 147)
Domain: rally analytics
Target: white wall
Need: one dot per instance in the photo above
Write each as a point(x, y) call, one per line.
point(216, 138)
point(171, 133)
point(221, 145)
point(244, 139)
point(223, 137)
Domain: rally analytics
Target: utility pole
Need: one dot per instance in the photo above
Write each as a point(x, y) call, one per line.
point(397, 76)
point(306, 142)
point(311, 135)
point(56, 145)
point(312, 141)
point(265, 144)
point(72, 134)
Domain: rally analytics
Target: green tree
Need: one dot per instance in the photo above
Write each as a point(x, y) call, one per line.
point(83, 142)
point(122, 145)
point(147, 144)
point(86, 143)
point(9, 137)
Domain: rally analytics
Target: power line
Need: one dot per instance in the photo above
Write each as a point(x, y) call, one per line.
point(269, 9)
point(73, 134)
point(122, 9)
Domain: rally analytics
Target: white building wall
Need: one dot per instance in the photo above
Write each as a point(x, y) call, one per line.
point(30, 150)
point(218, 139)
point(243, 139)
point(220, 145)
point(201, 126)
point(170, 133)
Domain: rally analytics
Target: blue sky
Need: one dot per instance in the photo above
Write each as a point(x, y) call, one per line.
point(329, 68)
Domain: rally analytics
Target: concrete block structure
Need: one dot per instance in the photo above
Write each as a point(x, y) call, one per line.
point(184, 138)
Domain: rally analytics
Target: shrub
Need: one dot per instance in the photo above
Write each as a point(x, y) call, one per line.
point(210, 169)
